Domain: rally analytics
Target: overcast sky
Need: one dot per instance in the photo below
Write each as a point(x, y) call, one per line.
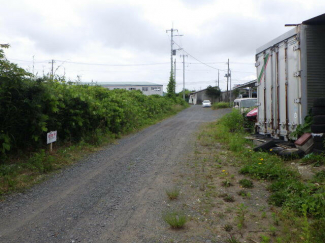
point(107, 40)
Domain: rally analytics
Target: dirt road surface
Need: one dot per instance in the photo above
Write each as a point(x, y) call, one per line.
point(115, 195)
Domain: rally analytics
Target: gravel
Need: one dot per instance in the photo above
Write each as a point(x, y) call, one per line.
point(114, 195)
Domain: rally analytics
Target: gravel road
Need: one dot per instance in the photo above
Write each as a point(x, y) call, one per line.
point(114, 195)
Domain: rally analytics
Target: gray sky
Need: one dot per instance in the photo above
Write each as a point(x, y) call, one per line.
point(106, 40)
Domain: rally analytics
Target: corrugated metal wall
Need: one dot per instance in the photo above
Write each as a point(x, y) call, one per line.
point(315, 40)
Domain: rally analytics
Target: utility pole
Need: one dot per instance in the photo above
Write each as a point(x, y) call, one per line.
point(228, 80)
point(230, 85)
point(175, 70)
point(183, 75)
point(172, 51)
point(52, 68)
point(227, 75)
point(33, 64)
point(218, 79)
point(171, 47)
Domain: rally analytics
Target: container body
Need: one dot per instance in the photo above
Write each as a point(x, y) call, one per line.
point(291, 74)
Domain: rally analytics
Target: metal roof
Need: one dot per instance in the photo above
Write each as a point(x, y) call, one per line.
point(246, 85)
point(318, 20)
point(124, 84)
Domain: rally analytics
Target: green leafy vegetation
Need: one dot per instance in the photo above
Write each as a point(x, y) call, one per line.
point(246, 183)
point(173, 193)
point(301, 202)
point(213, 92)
point(220, 105)
point(176, 219)
point(82, 115)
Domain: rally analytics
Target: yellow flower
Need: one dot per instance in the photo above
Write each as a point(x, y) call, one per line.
point(259, 163)
point(223, 170)
point(261, 159)
point(271, 149)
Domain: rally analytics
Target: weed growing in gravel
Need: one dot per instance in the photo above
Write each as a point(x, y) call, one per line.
point(228, 227)
point(232, 239)
point(265, 239)
point(173, 193)
point(246, 183)
point(241, 212)
point(229, 198)
point(242, 193)
point(176, 219)
point(226, 183)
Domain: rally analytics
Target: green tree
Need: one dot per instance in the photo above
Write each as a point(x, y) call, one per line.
point(213, 92)
point(8, 69)
point(236, 93)
point(171, 86)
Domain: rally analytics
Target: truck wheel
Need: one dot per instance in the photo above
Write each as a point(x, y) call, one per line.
point(291, 153)
point(265, 146)
point(319, 102)
point(318, 111)
point(319, 119)
point(318, 128)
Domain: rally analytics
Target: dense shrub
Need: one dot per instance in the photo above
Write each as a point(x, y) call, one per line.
point(30, 108)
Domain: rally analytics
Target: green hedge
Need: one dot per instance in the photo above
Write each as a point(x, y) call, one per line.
point(30, 108)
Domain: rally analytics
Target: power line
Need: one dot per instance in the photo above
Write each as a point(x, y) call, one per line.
point(195, 57)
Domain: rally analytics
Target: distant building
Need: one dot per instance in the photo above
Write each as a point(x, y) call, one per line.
point(147, 88)
point(198, 96)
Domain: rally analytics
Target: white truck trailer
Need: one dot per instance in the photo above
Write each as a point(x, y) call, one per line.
point(290, 75)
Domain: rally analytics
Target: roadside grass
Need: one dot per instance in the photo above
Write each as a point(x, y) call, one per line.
point(175, 219)
point(303, 200)
point(173, 193)
point(21, 171)
point(220, 105)
point(269, 201)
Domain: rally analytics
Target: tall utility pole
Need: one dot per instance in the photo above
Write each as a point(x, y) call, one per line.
point(172, 51)
point(52, 68)
point(227, 75)
point(228, 80)
point(218, 79)
point(230, 84)
point(183, 75)
point(171, 47)
point(33, 64)
point(175, 70)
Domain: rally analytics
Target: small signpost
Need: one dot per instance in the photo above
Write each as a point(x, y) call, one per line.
point(51, 137)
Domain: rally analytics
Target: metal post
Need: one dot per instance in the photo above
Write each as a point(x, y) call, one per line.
point(230, 85)
point(228, 81)
point(171, 47)
point(175, 70)
point(183, 76)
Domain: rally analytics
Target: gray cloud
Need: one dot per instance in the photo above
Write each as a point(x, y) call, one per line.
point(196, 3)
point(125, 27)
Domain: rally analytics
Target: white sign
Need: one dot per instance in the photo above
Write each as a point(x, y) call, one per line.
point(51, 137)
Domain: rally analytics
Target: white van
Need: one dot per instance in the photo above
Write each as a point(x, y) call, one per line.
point(245, 104)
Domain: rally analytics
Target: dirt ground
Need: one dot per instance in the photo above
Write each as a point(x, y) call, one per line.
point(119, 194)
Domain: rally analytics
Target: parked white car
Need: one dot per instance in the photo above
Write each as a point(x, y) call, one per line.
point(206, 103)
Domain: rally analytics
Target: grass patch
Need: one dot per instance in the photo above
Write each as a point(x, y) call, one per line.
point(173, 193)
point(220, 105)
point(175, 219)
point(246, 183)
point(301, 202)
